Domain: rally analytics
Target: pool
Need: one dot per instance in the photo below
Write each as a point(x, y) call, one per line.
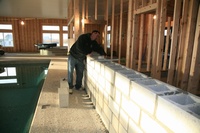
point(20, 86)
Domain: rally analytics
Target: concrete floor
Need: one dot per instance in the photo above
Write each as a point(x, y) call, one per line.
point(79, 117)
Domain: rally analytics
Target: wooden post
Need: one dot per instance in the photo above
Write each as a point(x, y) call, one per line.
point(161, 39)
point(155, 38)
point(106, 25)
point(76, 19)
point(112, 28)
point(134, 42)
point(95, 14)
point(167, 44)
point(173, 50)
point(192, 17)
point(149, 42)
point(183, 27)
point(141, 42)
point(83, 17)
point(120, 30)
point(128, 47)
point(195, 70)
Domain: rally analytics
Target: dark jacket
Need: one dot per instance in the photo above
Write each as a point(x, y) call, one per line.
point(84, 46)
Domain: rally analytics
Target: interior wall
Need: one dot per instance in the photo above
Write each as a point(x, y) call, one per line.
point(26, 36)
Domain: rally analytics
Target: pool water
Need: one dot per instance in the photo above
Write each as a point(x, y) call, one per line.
point(20, 86)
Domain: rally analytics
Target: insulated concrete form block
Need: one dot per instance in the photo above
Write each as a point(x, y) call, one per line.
point(98, 109)
point(97, 67)
point(106, 97)
point(123, 119)
point(115, 108)
point(122, 129)
point(134, 128)
point(109, 88)
point(122, 83)
point(64, 83)
point(107, 111)
point(117, 97)
point(105, 120)
point(134, 112)
point(149, 124)
point(143, 96)
point(90, 61)
point(63, 94)
point(112, 129)
point(172, 112)
point(101, 81)
point(102, 69)
point(109, 74)
point(115, 122)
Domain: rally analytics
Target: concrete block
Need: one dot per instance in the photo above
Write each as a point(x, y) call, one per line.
point(105, 120)
point(173, 112)
point(123, 119)
point(115, 122)
point(148, 124)
point(109, 74)
point(134, 112)
point(143, 96)
point(63, 83)
point(122, 129)
point(107, 111)
point(114, 106)
point(134, 128)
point(122, 83)
point(63, 94)
point(109, 88)
point(106, 97)
point(112, 129)
point(117, 97)
point(97, 67)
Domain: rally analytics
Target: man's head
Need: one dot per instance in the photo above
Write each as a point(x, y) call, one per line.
point(95, 34)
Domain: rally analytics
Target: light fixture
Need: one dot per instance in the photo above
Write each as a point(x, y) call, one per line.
point(154, 16)
point(22, 22)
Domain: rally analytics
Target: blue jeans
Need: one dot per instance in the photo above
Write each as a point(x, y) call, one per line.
point(79, 66)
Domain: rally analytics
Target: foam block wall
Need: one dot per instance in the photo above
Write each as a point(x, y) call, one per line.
point(128, 101)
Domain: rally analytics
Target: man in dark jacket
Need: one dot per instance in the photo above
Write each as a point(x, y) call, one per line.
point(85, 44)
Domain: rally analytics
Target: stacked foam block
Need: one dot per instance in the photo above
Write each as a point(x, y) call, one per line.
point(129, 101)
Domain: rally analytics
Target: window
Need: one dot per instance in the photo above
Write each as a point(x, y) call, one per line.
point(6, 36)
point(108, 36)
point(8, 75)
point(65, 39)
point(51, 38)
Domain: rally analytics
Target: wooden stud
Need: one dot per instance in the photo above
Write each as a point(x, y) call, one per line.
point(150, 39)
point(167, 44)
point(173, 50)
point(120, 31)
point(141, 42)
point(129, 34)
point(76, 19)
point(112, 29)
point(192, 17)
point(155, 38)
point(134, 41)
point(195, 70)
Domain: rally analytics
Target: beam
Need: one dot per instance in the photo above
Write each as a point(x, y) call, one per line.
point(146, 9)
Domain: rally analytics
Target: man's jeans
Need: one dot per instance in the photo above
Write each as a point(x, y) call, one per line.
point(79, 66)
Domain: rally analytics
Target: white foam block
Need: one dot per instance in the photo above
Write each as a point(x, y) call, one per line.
point(63, 94)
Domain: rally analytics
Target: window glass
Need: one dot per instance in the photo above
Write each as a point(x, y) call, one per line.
point(65, 28)
point(5, 26)
point(6, 39)
point(51, 38)
point(53, 28)
point(65, 39)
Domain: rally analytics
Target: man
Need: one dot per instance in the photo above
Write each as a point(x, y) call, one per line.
point(85, 44)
